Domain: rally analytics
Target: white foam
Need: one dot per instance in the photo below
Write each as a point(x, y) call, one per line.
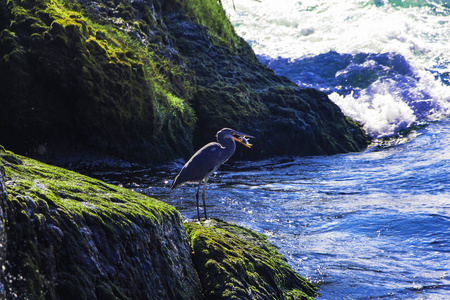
point(381, 115)
point(296, 30)
point(384, 108)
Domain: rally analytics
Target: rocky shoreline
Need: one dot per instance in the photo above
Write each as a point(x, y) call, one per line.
point(138, 82)
point(68, 236)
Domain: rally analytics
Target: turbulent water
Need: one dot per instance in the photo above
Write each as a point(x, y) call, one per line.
point(364, 225)
point(385, 63)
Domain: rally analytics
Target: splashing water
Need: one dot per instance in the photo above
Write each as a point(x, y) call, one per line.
point(369, 225)
point(385, 63)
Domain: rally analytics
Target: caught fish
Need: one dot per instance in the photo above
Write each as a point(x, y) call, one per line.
point(244, 140)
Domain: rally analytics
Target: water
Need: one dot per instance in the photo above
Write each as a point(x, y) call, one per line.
point(367, 225)
point(385, 63)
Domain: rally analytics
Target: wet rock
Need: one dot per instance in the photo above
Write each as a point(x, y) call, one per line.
point(64, 235)
point(148, 81)
point(73, 237)
point(236, 263)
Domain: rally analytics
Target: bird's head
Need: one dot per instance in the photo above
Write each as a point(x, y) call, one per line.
point(235, 135)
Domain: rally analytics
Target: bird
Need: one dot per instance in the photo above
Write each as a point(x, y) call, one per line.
point(208, 159)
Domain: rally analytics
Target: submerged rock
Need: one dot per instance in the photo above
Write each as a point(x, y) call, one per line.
point(148, 81)
point(237, 263)
point(69, 236)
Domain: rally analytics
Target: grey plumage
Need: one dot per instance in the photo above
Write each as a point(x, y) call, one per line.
point(208, 159)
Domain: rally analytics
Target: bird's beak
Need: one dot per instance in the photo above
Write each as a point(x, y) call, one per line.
point(242, 138)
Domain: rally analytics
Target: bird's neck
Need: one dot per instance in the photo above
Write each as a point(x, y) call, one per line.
point(229, 147)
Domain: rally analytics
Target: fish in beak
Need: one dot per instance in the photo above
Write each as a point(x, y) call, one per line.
point(242, 138)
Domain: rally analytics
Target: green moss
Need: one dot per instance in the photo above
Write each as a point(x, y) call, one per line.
point(136, 79)
point(46, 204)
point(92, 78)
point(211, 14)
point(236, 263)
point(120, 48)
point(75, 194)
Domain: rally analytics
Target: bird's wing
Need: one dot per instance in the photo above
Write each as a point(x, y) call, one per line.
point(204, 162)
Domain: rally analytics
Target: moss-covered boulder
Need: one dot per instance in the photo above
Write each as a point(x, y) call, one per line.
point(237, 263)
point(67, 236)
point(235, 90)
point(73, 82)
point(148, 81)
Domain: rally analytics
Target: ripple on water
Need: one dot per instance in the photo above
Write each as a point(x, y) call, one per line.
point(364, 225)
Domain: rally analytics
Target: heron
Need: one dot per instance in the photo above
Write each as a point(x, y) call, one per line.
point(208, 159)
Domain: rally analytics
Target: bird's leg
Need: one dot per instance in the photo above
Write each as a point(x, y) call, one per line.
point(196, 197)
point(203, 197)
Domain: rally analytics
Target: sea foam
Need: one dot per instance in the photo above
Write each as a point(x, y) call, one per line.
point(385, 63)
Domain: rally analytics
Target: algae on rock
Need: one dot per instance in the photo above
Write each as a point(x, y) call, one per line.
point(148, 81)
point(69, 236)
point(236, 263)
point(71, 81)
point(74, 237)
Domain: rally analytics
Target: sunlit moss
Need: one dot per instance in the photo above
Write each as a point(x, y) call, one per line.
point(123, 85)
point(236, 263)
point(58, 217)
point(211, 14)
point(120, 78)
point(74, 193)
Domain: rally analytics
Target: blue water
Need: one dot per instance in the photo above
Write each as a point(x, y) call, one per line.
point(360, 225)
point(385, 63)
point(369, 225)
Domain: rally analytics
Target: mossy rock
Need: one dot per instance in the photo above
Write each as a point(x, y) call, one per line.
point(74, 237)
point(235, 90)
point(236, 263)
point(148, 81)
point(76, 84)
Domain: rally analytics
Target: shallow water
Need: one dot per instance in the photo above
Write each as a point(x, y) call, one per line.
point(367, 225)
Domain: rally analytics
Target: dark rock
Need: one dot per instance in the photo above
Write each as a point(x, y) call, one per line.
point(148, 81)
point(67, 236)
point(236, 90)
point(236, 263)
point(64, 235)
